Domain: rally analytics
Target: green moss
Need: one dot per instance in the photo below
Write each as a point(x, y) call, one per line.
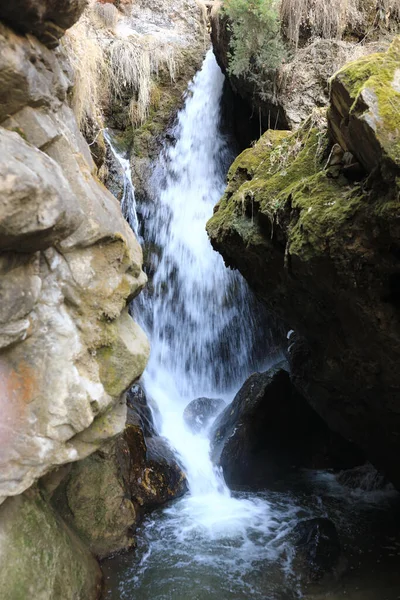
point(282, 185)
point(40, 557)
point(373, 77)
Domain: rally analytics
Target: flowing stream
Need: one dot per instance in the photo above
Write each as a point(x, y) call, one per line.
point(207, 335)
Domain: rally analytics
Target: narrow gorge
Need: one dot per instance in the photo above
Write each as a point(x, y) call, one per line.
point(199, 326)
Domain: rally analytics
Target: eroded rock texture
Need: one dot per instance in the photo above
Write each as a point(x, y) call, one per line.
point(316, 233)
point(69, 264)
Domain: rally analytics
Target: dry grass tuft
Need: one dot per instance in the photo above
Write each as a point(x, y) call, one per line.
point(107, 66)
point(133, 63)
point(92, 76)
point(329, 18)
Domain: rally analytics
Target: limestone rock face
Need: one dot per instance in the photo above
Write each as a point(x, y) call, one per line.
point(322, 250)
point(40, 557)
point(69, 264)
point(46, 19)
point(270, 430)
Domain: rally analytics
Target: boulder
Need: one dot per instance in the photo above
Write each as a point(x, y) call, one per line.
point(105, 496)
point(317, 547)
point(94, 499)
point(46, 19)
point(322, 252)
point(199, 413)
point(364, 477)
point(365, 104)
point(158, 477)
point(270, 429)
point(40, 556)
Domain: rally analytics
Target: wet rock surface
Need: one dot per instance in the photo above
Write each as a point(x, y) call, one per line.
point(270, 429)
point(200, 412)
point(142, 411)
point(317, 547)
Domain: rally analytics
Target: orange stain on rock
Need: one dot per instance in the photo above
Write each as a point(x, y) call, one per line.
point(17, 389)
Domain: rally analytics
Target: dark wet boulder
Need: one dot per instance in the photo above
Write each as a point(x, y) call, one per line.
point(270, 430)
point(199, 412)
point(155, 474)
point(317, 547)
point(142, 411)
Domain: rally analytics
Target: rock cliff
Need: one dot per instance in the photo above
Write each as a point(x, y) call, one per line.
point(317, 43)
point(313, 225)
point(69, 265)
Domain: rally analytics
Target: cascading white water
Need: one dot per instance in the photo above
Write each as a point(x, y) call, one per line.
point(202, 333)
point(128, 201)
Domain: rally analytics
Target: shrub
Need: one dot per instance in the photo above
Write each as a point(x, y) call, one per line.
point(256, 44)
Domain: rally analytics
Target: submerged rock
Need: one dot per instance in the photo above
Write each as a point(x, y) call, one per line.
point(270, 429)
point(40, 556)
point(199, 412)
point(323, 254)
point(365, 478)
point(317, 548)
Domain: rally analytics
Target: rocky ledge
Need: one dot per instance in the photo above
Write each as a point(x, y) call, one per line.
point(312, 221)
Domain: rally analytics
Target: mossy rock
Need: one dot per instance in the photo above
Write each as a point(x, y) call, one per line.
point(96, 502)
point(321, 249)
point(365, 108)
point(40, 557)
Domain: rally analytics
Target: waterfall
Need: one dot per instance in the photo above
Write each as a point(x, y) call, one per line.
point(207, 332)
point(199, 315)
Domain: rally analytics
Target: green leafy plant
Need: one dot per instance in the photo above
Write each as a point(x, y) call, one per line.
point(256, 44)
